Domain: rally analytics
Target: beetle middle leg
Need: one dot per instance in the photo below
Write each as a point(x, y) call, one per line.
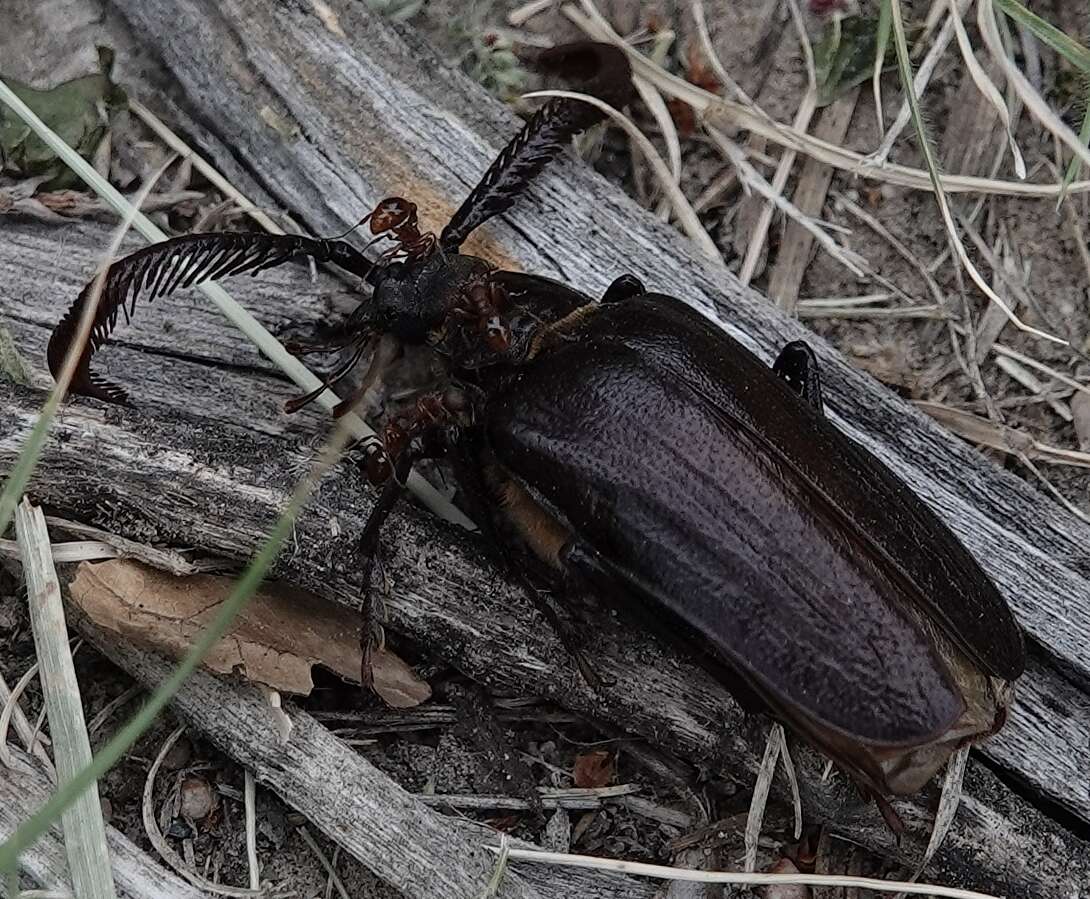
point(416, 436)
point(479, 488)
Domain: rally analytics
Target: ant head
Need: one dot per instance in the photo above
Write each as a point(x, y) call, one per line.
point(392, 214)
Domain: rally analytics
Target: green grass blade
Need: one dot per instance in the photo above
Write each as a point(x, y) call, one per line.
point(1069, 48)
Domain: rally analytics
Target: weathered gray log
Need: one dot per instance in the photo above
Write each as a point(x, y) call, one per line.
point(1047, 740)
point(377, 121)
point(167, 479)
point(410, 846)
point(24, 789)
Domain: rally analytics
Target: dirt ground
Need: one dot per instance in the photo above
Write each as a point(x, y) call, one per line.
point(1045, 250)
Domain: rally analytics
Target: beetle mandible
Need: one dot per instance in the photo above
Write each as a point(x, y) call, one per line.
point(741, 522)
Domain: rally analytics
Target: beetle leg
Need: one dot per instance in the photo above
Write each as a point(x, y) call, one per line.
point(371, 633)
point(797, 365)
point(474, 487)
point(623, 288)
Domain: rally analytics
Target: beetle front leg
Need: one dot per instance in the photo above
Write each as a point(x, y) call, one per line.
point(797, 365)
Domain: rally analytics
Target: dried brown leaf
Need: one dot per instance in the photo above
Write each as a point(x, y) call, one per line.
point(396, 682)
point(593, 769)
point(276, 641)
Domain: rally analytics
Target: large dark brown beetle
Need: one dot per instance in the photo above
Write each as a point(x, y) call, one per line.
point(633, 447)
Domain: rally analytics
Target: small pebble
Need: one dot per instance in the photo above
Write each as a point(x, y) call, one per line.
point(198, 799)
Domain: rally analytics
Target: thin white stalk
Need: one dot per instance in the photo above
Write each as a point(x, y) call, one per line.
point(880, 47)
point(652, 99)
point(689, 875)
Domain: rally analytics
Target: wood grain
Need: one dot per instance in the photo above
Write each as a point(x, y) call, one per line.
point(376, 113)
point(166, 478)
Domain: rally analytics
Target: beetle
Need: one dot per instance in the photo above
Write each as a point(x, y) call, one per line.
point(631, 446)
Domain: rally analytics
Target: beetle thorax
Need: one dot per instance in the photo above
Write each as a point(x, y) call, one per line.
point(413, 299)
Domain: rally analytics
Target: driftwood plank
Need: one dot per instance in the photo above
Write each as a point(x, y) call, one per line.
point(24, 789)
point(163, 479)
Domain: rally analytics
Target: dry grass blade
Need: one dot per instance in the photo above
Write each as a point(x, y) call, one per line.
point(11, 713)
point(756, 181)
point(661, 872)
point(730, 114)
point(760, 794)
point(803, 117)
point(1023, 377)
point(984, 84)
point(84, 828)
point(984, 432)
point(948, 805)
point(921, 81)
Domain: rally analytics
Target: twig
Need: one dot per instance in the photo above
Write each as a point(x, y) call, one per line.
point(330, 869)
